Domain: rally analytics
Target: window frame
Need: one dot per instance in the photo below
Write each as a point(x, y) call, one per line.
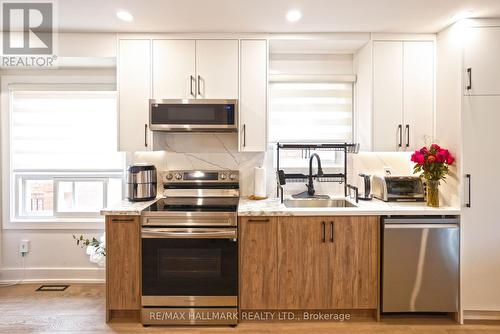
point(56, 177)
point(67, 80)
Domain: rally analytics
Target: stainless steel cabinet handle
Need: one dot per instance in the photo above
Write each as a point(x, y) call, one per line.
point(191, 79)
point(400, 129)
point(469, 74)
point(266, 220)
point(331, 231)
point(324, 231)
point(407, 135)
point(199, 85)
point(244, 135)
point(145, 135)
point(469, 186)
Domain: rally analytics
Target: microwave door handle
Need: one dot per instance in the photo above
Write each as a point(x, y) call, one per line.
point(164, 234)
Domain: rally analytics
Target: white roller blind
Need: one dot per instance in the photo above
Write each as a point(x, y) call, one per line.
point(310, 112)
point(64, 130)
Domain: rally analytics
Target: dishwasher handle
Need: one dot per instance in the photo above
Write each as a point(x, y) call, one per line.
point(419, 226)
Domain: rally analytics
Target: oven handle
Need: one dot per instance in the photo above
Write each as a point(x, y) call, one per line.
point(175, 233)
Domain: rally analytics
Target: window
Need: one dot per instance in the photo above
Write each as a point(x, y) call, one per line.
point(310, 112)
point(64, 162)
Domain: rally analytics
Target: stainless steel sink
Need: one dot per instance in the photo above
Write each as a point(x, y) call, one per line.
point(318, 203)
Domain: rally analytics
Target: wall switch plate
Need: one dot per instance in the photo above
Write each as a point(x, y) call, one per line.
point(387, 170)
point(24, 247)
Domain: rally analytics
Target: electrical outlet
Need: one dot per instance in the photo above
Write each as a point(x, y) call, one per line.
point(24, 247)
point(387, 170)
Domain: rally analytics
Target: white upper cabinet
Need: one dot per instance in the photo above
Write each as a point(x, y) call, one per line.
point(253, 96)
point(217, 69)
point(387, 96)
point(482, 65)
point(418, 93)
point(134, 87)
point(195, 69)
point(174, 72)
point(403, 94)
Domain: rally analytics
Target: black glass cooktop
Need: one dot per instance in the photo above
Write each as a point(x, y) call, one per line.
point(195, 204)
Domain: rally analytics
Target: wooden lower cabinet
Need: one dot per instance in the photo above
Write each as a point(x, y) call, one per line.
point(258, 262)
point(309, 262)
point(303, 263)
point(123, 249)
point(353, 263)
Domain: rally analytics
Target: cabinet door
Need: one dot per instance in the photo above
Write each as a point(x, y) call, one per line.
point(123, 263)
point(480, 224)
point(353, 262)
point(217, 69)
point(253, 96)
point(303, 263)
point(418, 93)
point(258, 263)
point(482, 52)
point(174, 69)
point(387, 96)
point(134, 87)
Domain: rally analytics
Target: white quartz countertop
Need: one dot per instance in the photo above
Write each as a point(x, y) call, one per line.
point(127, 208)
point(273, 207)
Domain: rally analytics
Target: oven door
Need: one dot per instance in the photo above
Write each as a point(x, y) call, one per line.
point(189, 267)
point(193, 115)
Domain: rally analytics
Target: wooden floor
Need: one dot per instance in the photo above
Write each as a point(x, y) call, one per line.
point(80, 309)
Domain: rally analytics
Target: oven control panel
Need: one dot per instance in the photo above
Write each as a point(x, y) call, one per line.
point(180, 176)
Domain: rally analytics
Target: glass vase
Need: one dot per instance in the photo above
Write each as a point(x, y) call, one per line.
point(433, 193)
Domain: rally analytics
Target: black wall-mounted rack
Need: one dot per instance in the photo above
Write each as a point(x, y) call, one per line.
point(306, 152)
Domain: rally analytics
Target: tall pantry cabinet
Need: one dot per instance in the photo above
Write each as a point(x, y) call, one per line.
point(469, 90)
point(481, 166)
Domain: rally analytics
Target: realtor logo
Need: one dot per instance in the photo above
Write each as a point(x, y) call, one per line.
point(27, 28)
point(28, 35)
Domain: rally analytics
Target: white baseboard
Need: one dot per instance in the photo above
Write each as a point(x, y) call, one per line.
point(52, 275)
point(481, 315)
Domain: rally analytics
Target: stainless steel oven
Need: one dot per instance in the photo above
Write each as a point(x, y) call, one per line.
point(190, 250)
point(193, 115)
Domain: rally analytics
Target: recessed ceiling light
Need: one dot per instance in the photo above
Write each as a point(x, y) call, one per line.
point(462, 15)
point(124, 15)
point(293, 15)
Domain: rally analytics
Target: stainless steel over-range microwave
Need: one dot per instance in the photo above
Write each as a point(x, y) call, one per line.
point(199, 115)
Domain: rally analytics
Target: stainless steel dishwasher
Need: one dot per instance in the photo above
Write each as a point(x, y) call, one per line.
point(420, 264)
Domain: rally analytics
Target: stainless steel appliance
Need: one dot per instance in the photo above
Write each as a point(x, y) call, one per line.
point(398, 188)
point(193, 115)
point(420, 264)
point(141, 182)
point(367, 196)
point(190, 250)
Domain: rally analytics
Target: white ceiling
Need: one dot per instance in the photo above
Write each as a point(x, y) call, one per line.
point(267, 15)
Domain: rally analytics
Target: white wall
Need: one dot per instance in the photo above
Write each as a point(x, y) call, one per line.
point(54, 256)
point(448, 104)
point(363, 119)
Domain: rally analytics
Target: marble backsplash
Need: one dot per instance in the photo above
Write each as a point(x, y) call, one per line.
point(204, 151)
point(220, 151)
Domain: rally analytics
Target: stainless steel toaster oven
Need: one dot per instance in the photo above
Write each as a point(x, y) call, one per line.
point(391, 188)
